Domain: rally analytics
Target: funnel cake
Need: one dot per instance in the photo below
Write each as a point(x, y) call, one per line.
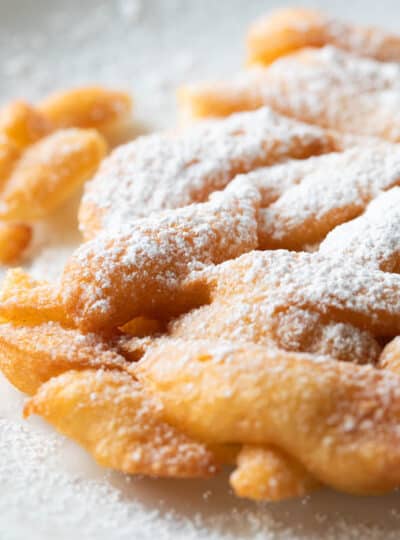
point(286, 30)
point(238, 282)
point(325, 87)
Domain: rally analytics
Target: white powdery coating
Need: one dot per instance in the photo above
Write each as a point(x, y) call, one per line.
point(68, 503)
point(373, 239)
point(173, 170)
point(335, 188)
point(157, 253)
point(35, 492)
point(326, 87)
point(327, 67)
point(310, 280)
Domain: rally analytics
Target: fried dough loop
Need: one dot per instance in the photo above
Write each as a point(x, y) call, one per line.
point(326, 87)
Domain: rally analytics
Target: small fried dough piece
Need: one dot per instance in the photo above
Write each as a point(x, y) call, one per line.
point(340, 421)
point(110, 415)
point(86, 107)
point(285, 30)
point(140, 269)
point(268, 474)
point(14, 239)
point(23, 123)
point(26, 301)
point(49, 172)
point(31, 355)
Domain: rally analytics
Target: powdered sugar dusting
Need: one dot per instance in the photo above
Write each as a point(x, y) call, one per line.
point(40, 496)
point(170, 171)
point(326, 87)
point(335, 188)
point(373, 239)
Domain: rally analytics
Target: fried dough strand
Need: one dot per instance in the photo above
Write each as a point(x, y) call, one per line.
point(164, 171)
point(337, 188)
point(141, 268)
point(340, 421)
point(372, 239)
point(23, 124)
point(110, 415)
point(285, 30)
point(266, 473)
point(86, 107)
point(49, 172)
point(14, 239)
point(31, 355)
point(26, 301)
point(325, 87)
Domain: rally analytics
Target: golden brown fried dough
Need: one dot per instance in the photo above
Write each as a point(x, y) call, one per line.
point(325, 87)
point(268, 474)
point(49, 172)
point(31, 355)
point(14, 239)
point(110, 415)
point(340, 421)
point(390, 357)
point(23, 124)
point(86, 107)
point(140, 269)
point(288, 29)
point(26, 301)
point(9, 154)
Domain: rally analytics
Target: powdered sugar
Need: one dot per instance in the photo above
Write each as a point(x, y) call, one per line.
point(374, 238)
point(170, 171)
point(335, 188)
point(40, 495)
point(326, 87)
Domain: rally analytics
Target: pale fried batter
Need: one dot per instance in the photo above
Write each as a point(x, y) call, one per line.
point(14, 239)
point(266, 473)
point(288, 29)
point(110, 414)
point(31, 355)
point(49, 172)
point(326, 87)
point(140, 269)
point(340, 421)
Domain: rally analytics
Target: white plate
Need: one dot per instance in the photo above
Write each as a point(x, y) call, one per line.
point(49, 488)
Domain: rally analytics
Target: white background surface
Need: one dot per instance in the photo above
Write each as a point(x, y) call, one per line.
point(49, 488)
